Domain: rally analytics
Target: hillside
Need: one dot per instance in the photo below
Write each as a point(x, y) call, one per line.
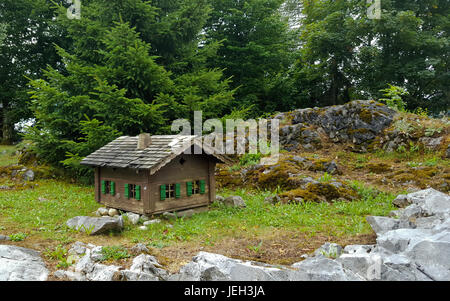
point(338, 165)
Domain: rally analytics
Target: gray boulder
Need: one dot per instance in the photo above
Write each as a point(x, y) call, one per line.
point(322, 269)
point(215, 267)
point(432, 255)
point(95, 225)
point(235, 201)
point(28, 175)
point(382, 224)
point(145, 268)
point(151, 222)
point(21, 264)
point(133, 217)
point(4, 237)
point(431, 201)
point(330, 250)
point(401, 201)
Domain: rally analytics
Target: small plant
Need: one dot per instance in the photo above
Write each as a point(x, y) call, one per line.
point(256, 248)
point(394, 100)
point(326, 178)
point(60, 254)
point(18, 236)
point(87, 230)
point(250, 159)
point(432, 162)
point(413, 148)
point(234, 168)
point(430, 132)
point(332, 252)
point(114, 253)
point(421, 112)
point(413, 164)
point(403, 126)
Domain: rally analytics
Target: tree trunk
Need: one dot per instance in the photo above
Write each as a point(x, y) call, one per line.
point(7, 127)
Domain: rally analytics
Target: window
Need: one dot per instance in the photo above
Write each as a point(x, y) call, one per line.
point(108, 187)
point(170, 191)
point(195, 187)
point(133, 191)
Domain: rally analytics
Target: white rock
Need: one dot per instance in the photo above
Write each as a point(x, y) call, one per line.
point(102, 211)
point(133, 218)
point(20, 264)
point(151, 222)
point(113, 212)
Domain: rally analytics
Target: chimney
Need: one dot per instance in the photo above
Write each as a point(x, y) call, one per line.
point(144, 140)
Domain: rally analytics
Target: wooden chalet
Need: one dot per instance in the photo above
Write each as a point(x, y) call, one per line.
point(153, 174)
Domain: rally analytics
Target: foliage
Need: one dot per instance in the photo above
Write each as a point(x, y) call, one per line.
point(27, 48)
point(114, 253)
point(250, 159)
point(326, 178)
point(394, 99)
point(64, 200)
point(18, 236)
point(345, 55)
point(60, 254)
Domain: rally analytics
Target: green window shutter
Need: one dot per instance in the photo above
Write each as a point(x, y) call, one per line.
point(103, 187)
point(189, 188)
point(163, 192)
point(113, 188)
point(138, 192)
point(202, 186)
point(127, 192)
point(177, 190)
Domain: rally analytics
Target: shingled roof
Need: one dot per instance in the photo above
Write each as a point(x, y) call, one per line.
point(123, 152)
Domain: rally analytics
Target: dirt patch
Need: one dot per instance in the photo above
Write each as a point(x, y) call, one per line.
point(276, 248)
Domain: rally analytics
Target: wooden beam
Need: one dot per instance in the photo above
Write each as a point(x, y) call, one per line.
point(211, 180)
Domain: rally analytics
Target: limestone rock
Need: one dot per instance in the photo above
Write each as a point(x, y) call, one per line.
point(401, 201)
point(133, 217)
point(322, 269)
point(95, 225)
point(21, 264)
point(235, 201)
point(102, 211)
point(382, 224)
point(113, 212)
point(151, 222)
point(330, 250)
point(215, 267)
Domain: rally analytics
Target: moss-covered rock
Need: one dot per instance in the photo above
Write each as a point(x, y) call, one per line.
point(319, 192)
point(379, 167)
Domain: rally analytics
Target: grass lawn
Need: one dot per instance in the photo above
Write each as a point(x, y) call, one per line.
point(271, 233)
point(7, 155)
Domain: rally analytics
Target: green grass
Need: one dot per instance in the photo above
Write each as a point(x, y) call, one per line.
point(114, 253)
point(21, 209)
point(7, 155)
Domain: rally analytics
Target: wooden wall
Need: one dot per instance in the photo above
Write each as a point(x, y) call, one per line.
point(121, 177)
point(195, 167)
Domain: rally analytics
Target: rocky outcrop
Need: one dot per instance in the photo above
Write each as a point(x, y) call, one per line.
point(414, 247)
point(88, 266)
point(95, 225)
point(20, 264)
point(232, 201)
point(358, 122)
